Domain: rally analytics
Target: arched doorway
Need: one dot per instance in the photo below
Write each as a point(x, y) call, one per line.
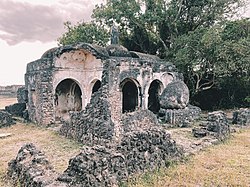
point(129, 96)
point(68, 97)
point(153, 96)
point(96, 86)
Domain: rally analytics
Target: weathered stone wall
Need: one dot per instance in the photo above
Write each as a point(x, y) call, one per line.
point(179, 117)
point(80, 63)
point(84, 126)
point(97, 165)
point(140, 119)
point(216, 125)
point(137, 152)
point(93, 125)
point(38, 81)
point(84, 64)
point(80, 66)
point(22, 95)
point(242, 117)
point(144, 71)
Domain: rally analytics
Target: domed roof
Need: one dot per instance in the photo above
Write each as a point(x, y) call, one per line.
point(49, 53)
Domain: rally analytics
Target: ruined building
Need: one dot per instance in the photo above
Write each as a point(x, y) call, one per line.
point(110, 99)
point(64, 79)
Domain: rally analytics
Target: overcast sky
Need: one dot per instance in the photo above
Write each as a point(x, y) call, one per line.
point(28, 28)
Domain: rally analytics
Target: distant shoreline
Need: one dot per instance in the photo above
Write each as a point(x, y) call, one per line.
point(9, 91)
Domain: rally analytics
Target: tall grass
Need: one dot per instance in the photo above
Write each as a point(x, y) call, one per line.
point(226, 164)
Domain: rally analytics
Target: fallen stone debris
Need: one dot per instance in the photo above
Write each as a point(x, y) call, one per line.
point(6, 119)
point(31, 168)
point(216, 125)
point(242, 117)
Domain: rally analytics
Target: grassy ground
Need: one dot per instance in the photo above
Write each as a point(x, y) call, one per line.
point(57, 148)
point(6, 100)
point(226, 164)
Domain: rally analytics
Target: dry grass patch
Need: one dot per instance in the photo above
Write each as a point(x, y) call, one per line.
point(226, 164)
point(57, 148)
point(6, 100)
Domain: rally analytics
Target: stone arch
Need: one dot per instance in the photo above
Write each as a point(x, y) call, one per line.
point(155, 89)
point(68, 97)
point(130, 94)
point(95, 85)
point(167, 78)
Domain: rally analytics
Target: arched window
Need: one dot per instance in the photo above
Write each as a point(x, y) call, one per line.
point(96, 86)
point(153, 96)
point(68, 97)
point(129, 96)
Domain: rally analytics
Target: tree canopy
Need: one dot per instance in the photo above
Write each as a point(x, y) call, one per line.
point(202, 37)
point(209, 53)
point(84, 32)
point(151, 26)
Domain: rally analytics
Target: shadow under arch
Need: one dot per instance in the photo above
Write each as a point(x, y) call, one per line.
point(130, 92)
point(154, 91)
point(68, 97)
point(95, 85)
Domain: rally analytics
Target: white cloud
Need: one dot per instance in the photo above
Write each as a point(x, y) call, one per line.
point(40, 20)
point(28, 28)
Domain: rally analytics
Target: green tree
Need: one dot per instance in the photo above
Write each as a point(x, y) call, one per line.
point(151, 26)
point(84, 32)
point(215, 57)
point(196, 35)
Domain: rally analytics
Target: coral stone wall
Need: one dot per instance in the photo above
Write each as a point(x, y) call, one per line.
point(38, 82)
point(102, 118)
point(80, 64)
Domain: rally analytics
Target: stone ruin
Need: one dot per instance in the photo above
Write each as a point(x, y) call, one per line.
point(64, 79)
point(97, 165)
point(216, 125)
point(118, 103)
point(110, 99)
point(90, 89)
point(242, 117)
